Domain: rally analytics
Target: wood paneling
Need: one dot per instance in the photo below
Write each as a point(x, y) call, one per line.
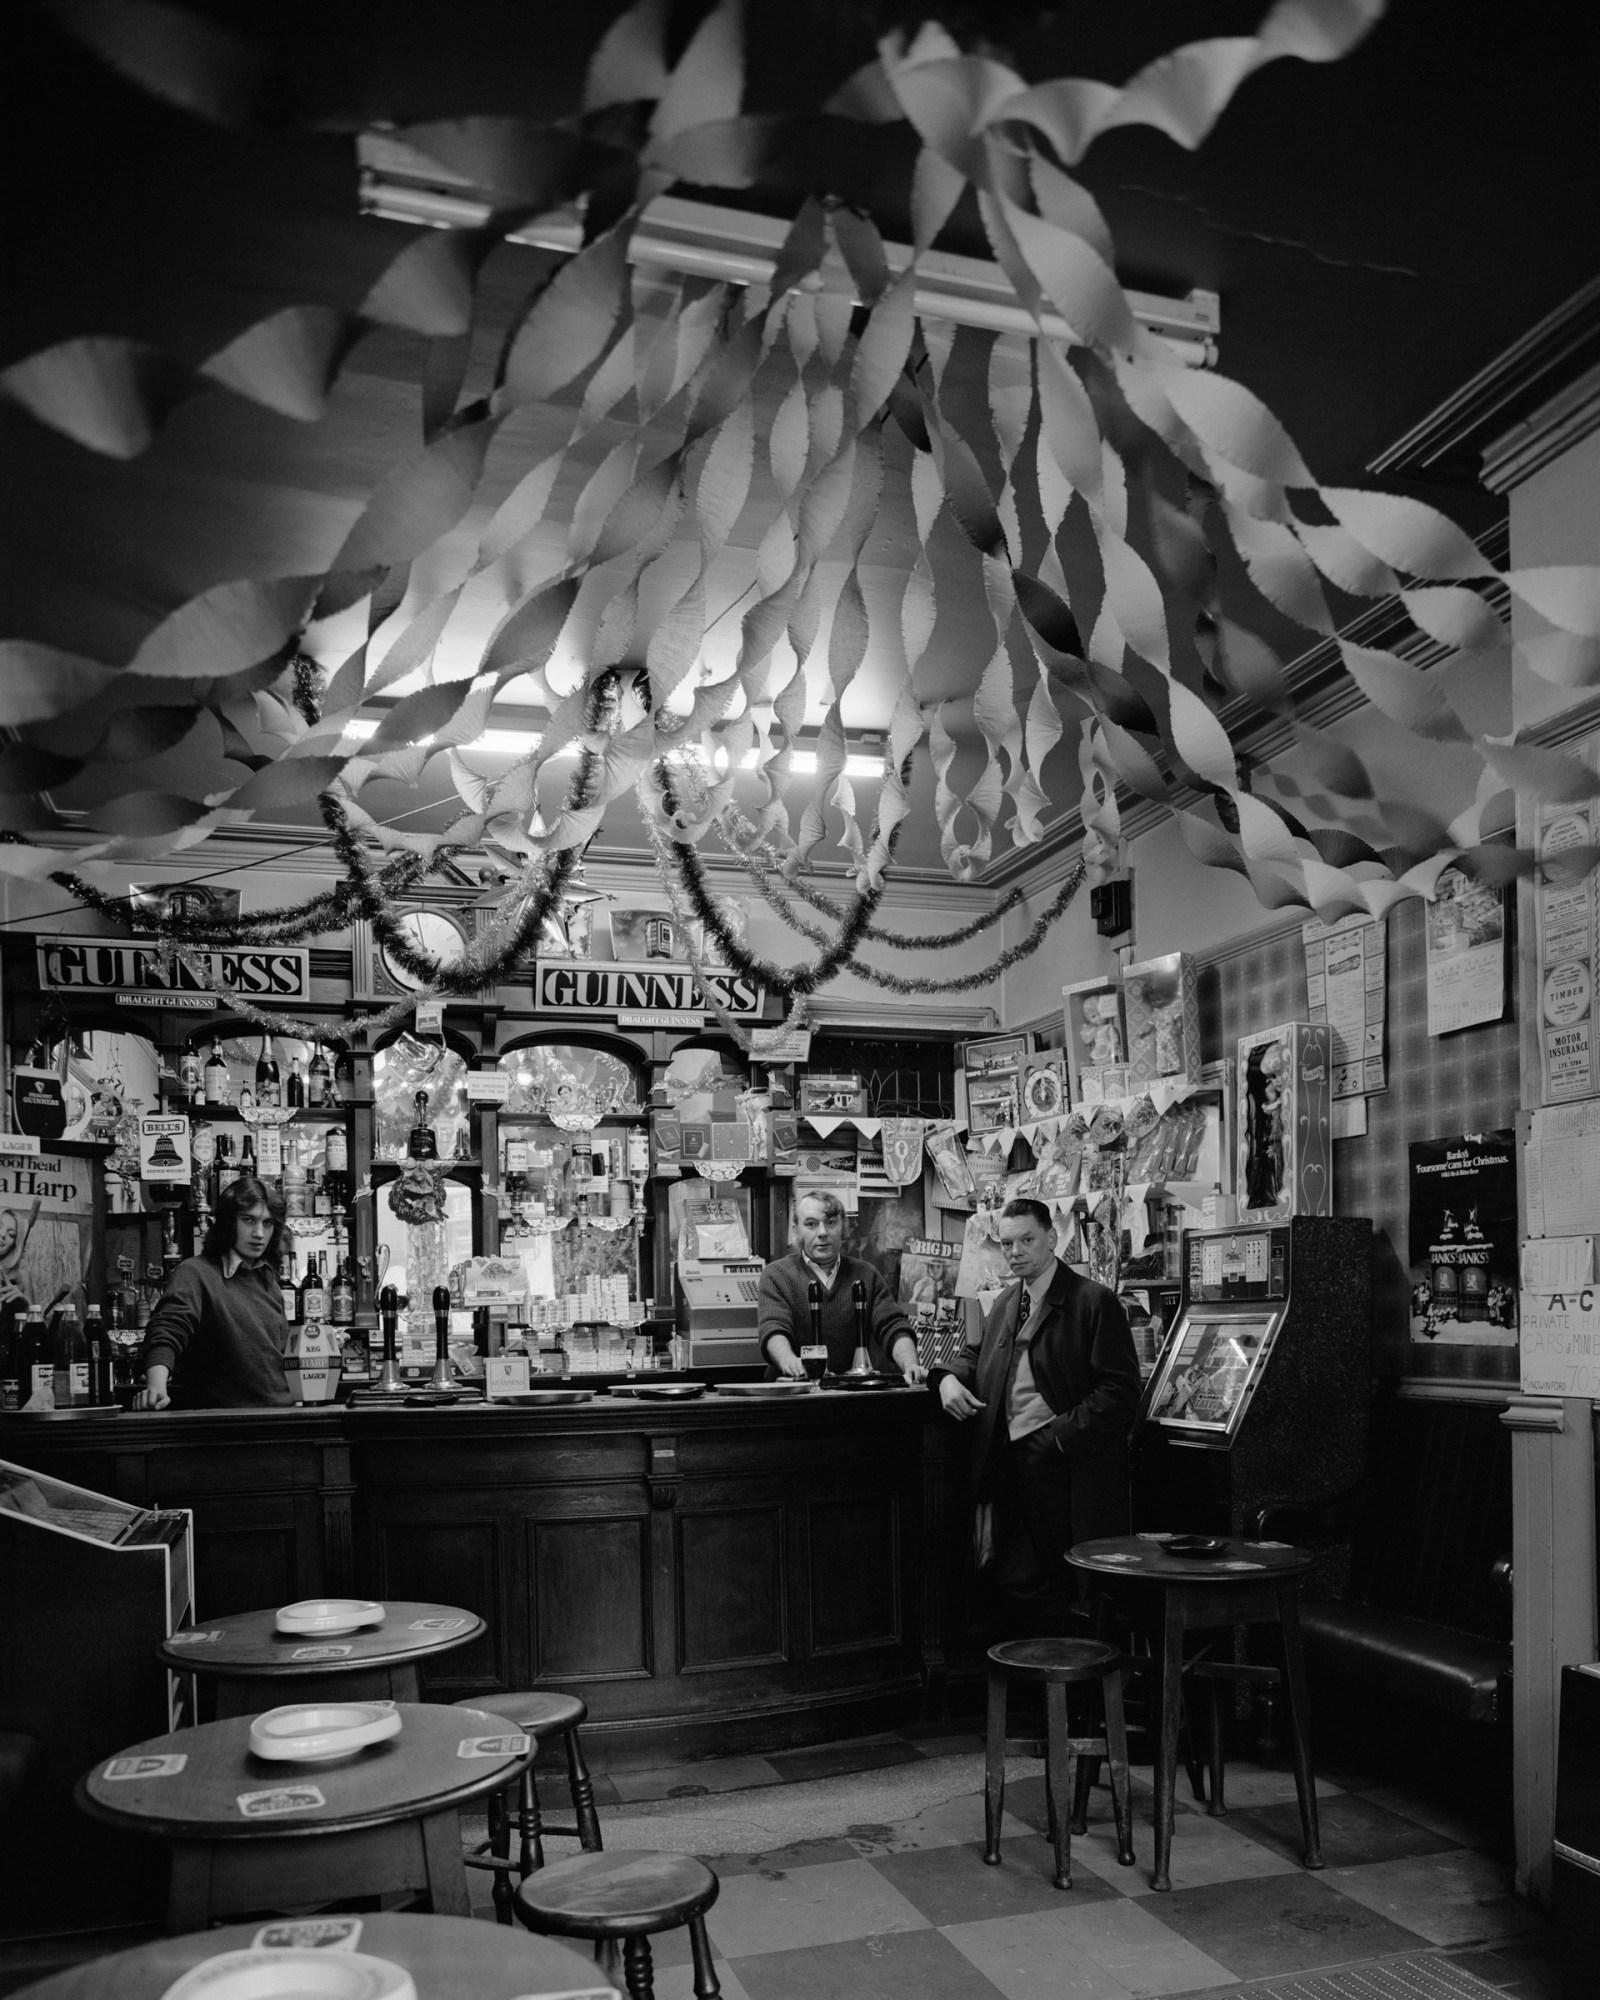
point(449, 1562)
point(855, 1573)
point(590, 1598)
point(731, 1588)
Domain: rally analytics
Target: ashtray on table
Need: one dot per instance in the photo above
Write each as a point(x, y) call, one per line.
point(326, 1617)
point(313, 1732)
point(1196, 1545)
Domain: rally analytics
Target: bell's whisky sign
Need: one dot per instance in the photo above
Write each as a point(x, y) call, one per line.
point(572, 986)
point(137, 967)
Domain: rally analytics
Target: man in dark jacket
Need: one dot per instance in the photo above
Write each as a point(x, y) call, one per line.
point(1053, 1384)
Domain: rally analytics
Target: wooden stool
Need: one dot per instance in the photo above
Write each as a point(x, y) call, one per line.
point(1060, 1664)
point(543, 1714)
point(623, 1898)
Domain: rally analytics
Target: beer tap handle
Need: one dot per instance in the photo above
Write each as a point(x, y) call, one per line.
point(389, 1380)
point(441, 1378)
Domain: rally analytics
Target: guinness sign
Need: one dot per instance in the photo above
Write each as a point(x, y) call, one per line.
point(571, 986)
point(115, 965)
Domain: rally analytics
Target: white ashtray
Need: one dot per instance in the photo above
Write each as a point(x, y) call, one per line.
point(307, 1732)
point(293, 1974)
point(322, 1617)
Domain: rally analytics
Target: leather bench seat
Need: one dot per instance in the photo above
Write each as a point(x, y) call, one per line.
point(1407, 1657)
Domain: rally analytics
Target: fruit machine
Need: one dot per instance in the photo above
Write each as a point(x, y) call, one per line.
point(1261, 1389)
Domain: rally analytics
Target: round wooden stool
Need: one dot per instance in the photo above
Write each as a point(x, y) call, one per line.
point(543, 1714)
point(1060, 1664)
point(624, 1898)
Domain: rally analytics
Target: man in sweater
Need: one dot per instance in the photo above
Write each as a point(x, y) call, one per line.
point(1053, 1384)
point(216, 1338)
point(784, 1311)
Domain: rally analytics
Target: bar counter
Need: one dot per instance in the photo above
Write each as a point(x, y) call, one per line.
point(713, 1575)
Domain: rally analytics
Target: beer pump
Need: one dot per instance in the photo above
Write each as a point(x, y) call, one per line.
point(441, 1377)
point(859, 1364)
point(389, 1381)
point(814, 1301)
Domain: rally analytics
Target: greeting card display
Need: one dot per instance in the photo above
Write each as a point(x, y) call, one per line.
point(1162, 1012)
point(1285, 1144)
point(1097, 1043)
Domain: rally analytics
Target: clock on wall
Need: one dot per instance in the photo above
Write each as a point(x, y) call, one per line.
point(377, 973)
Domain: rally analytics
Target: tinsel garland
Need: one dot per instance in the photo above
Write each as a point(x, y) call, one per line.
point(291, 923)
point(750, 967)
point(788, 980)
point(741, 835)
point(1025, 946)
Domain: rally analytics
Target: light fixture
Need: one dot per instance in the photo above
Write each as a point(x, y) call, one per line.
point(519, 742)
point(496, 742)
point(402, 184)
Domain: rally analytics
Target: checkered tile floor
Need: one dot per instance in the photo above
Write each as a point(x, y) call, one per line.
point(856, 1871)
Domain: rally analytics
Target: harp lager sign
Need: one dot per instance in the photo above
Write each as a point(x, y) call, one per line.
point(136, 968)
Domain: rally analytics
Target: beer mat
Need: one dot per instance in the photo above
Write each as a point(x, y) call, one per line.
point(321, 1653)
point(309, 1934)
point(514, 1745)
point(121, 1768)
point(279, 1800)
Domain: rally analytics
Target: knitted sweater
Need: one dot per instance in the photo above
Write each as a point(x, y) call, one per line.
point(782, 1307)
point(223, 1338)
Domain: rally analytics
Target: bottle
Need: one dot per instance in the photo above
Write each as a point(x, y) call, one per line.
point(294, 1178)
point(11, 1396)
point(337, 1159)
point(342, 1296)
point(36, 1365)
point(102, 1380)
point(269, 1152)
point(267, 1082)
point(344, 1078)
point(288, 1284)
point(71, 1362)
point(295, 1089)
point(421, 1144)
point(217, 1080)
point(319, 1082)
point(313, 1293)
point(190, 1080)
point(247, 1157)
point(227, 1171)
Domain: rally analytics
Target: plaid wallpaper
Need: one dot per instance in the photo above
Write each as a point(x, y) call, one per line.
point(1438, 1086)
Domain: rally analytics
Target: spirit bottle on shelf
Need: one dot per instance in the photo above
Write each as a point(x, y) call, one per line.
point(226, 1167)
point(217, 1081)
point(344, 1078)
point(287, 1283)
point(295, 1088)
point(313, 1293)
point(267, 1081)
point(247, 1157)
point(71, 1362)
point(102, 1380)
point(337, 1159)
point(342, 1295)
point(269, 1152)
point(171, 1256)
point(36, 1365)
point(294, 1177)
point(421, 1144)
point(319, 1083)
point(190, 1080)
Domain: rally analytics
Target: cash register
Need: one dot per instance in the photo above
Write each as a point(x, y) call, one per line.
point(718, 1286)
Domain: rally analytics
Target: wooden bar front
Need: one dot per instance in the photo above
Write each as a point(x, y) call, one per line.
point(709, 1576)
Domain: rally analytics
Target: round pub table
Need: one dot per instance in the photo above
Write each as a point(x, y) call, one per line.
point(448, 1958)
point(1246, 1583)
point(252, 1834)
point(255, 1666)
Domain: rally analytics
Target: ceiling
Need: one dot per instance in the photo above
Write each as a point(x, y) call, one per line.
point(1378, 229)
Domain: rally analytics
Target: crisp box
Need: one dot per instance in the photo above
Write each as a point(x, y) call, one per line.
point(1284, 1137)
point(1162, 1011)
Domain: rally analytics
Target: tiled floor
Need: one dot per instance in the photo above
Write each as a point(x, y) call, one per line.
point(855, 1872)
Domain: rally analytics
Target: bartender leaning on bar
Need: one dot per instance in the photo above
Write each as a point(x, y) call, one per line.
point(784, 1310)
point(215, 1340)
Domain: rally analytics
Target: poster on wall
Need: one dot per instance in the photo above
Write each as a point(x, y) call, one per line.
point(1560, 1318)
point(1466, 934)
point(1463, 1242)
point(1567, 905)
point(1345, 979)
point(46, 1227)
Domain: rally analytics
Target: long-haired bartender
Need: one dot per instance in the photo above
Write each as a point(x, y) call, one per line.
point(216, 1338)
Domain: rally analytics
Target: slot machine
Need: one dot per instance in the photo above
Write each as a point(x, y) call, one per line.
point(1261, 1389)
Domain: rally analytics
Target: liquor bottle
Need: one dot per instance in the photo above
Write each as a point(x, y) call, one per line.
point(421, 1143)
point(11, 1396)
point(71, 1382)
point(319, 1082)
point(342, 1295)
point(227, 1170)
point(247, 1156)
point(313, 1293)
point(344, 1078)
point(287, 1284)
point(267, 1082)
point(269, 1152)
point(294, 1178)
point(171, 1255)
point(217, 1080)
point(295, 1089)
point(36, 1365)
point(337, 1151)
point(102, 1379)
point(190, 1080)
